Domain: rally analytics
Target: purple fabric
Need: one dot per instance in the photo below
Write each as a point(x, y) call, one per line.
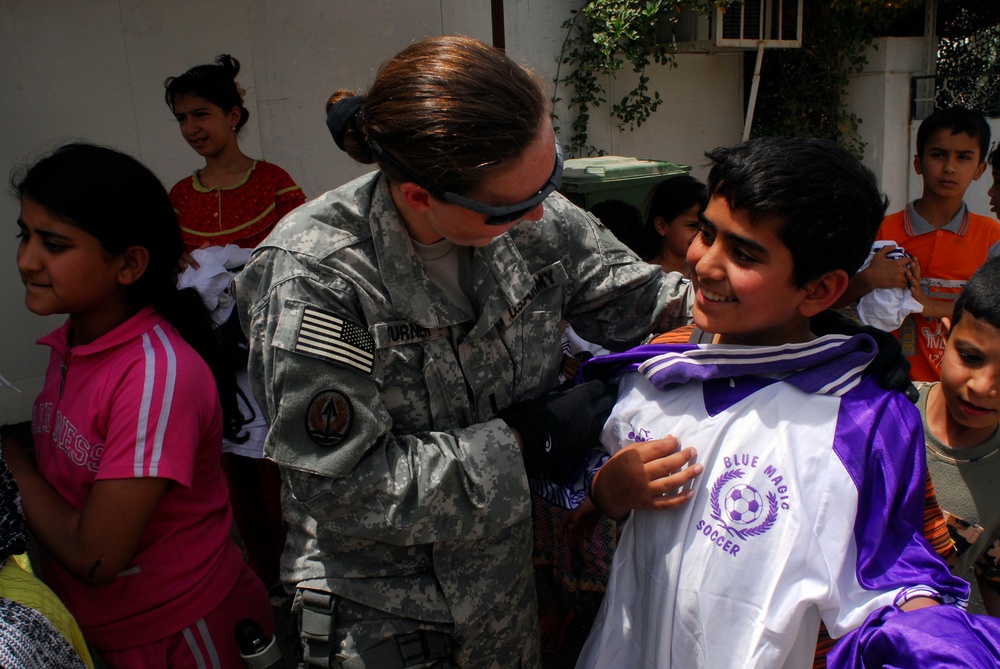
point(888, 467)
point(720, 394)
point(931, 638)
point(813, 366)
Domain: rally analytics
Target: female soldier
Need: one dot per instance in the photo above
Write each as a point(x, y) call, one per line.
point(392, 322)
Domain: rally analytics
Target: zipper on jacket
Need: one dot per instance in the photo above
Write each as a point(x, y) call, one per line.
point(62, 377)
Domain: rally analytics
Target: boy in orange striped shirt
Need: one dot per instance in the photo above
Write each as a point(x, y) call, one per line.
point(946, 242)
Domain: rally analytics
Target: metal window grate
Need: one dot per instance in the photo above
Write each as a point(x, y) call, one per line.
point(979, 91)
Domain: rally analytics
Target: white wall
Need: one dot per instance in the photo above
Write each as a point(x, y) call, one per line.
point(94, 71)
point(880, 95)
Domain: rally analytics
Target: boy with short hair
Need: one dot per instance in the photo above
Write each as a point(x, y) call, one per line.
point(961, 415)
point(946, 241)
point(809, 503)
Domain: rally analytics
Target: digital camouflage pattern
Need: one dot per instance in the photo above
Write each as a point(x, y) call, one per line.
point(403, 492)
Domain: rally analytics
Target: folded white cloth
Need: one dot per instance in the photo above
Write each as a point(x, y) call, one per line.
point(885, 308)
point(212, 277)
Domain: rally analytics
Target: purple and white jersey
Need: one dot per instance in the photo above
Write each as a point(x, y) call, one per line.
point(810, 506)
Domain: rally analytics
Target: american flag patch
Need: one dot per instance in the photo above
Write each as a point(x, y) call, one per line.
point(323, 335)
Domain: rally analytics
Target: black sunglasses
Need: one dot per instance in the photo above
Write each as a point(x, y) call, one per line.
point(496, 214)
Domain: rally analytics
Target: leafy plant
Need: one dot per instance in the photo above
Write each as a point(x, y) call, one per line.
point(604, 36)
point(803, 92)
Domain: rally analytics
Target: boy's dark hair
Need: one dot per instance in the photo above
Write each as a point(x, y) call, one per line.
point(981, 296)
point(827, 204)
point(623, 220)
point(994, 159)
point(960, 121)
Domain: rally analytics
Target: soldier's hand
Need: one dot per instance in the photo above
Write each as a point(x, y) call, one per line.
point(561, 427)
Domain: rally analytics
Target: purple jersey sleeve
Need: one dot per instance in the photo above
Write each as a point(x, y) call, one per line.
point(931, 638)
point(880, 443)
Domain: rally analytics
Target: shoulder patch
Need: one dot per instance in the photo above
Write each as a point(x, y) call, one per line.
point(329, 418)
point(323, 335)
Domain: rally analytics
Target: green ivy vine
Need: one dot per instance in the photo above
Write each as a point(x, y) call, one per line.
point(604, 36)
point(803, 91)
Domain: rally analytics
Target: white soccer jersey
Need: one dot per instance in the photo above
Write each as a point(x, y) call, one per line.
point(810, 506)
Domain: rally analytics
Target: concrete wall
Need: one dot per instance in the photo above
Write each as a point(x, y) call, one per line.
point(94, 71)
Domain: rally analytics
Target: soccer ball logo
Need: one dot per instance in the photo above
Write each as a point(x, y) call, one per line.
point(743, 504)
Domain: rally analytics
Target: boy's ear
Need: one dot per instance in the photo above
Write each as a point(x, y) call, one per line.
point(661, 224)
point(918, 165)
point(416, 197)
point(823, 292)
point(134, 262)
point(946, 326)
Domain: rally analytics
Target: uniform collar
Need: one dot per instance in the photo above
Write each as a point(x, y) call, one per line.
point(500, 276)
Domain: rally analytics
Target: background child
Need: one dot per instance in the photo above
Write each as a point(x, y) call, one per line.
point(233, 199)
point(810, 505)
point(961, 415)
point(237, 200)
point(127, 499)
point(946, 241)
point(672, 222)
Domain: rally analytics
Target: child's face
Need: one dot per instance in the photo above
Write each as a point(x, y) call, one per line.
point(205, 126)
point(63, 268)
point(994, 193)
point(678, 233)
point(744, 281)
point(970, 373)
point(949, 164)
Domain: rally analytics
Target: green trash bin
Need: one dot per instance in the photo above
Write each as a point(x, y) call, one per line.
point(587, 181)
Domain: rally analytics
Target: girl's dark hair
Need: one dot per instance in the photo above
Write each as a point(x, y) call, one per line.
point(669, 200)
point(116, 199)
point(449, 109)
point(216, 83)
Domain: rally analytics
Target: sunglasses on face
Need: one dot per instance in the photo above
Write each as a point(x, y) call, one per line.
point(496, 214)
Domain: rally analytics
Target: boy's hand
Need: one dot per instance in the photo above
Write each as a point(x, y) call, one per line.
point(577, 527)
point(644, 475)
point(570, 366)
point(886, 272)
point(932, 308)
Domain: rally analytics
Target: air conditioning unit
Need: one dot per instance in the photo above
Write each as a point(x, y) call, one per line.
point(748, 24)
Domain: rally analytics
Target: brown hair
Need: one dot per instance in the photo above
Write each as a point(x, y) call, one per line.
point(215, 83)
point(450, 109)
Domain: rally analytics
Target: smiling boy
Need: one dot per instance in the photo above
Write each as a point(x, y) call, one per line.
point(946, 241)
point(806, 502)
point(961, 415)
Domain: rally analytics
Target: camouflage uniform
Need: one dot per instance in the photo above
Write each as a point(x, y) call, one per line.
point(402, 491)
